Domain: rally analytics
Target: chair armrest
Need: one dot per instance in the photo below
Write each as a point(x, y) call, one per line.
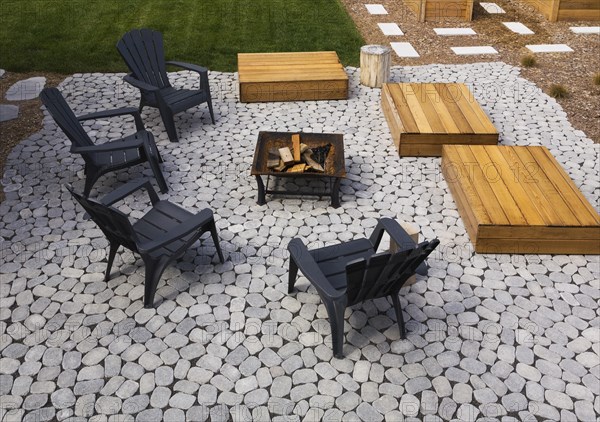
point(130, 79)
point(396, 232)
point(202, 71)
point(139, 124)
point(127, 189)
point(109, 146)
point(188, 66)
point(307, 264)
point(180, 231)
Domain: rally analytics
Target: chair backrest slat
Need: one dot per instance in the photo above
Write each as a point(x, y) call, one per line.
point(114, 224)
point(64, 117)
point(385, 274)
point(355, 272)
point(143, 52)
point(375, 264)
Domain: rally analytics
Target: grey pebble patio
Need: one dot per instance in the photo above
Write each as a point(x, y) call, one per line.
point(490, 337)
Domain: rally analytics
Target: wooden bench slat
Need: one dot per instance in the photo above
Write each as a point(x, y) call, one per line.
point(415, 108)
point(499, 185)
point(532, 214)
point(523, 176)
point(482, 186)
point(476, 111)
point(408, 120)
point(575, 203)
point(461, 177)
point(584, 210)
point(288, 76)
point(442, 111)
point(555, 198)
point(457, 115)
point(434, 121)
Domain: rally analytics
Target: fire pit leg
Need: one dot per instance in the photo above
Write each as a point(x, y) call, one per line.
point(261, 191)
point(335, 193)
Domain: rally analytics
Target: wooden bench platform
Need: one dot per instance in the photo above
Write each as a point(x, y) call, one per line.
point(519, 200)
point(423, 117)
point(291, 77)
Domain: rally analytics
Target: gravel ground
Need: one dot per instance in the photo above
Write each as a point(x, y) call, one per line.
point(575, 71)
point(491, 337)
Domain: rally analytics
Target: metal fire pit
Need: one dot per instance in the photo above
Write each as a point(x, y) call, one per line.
point(334, 166)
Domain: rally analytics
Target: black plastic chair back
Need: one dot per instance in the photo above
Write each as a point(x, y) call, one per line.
point(384, 274)
point(143, 52)
point(113, 223)
point(64, 117)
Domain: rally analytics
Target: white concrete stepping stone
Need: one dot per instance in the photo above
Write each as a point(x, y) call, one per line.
point(8, 112)
point(586, 29)
point(27, 89)
point(468, 51)
point(390, 29)
point(492, 8)
point(2, 72)
point(518, 28)
point(376, 9)
point(448, 32)
point(404, 49)
point(550, 48)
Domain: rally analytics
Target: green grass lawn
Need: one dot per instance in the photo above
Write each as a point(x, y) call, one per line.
point(80, 35)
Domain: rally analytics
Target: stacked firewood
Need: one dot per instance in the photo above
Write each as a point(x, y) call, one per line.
point(297, 159)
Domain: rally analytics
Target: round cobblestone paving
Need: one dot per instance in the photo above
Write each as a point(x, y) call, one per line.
point(491, 337)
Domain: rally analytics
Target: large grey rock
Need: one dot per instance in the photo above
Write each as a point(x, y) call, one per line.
point(27, 89)
point(8, 112)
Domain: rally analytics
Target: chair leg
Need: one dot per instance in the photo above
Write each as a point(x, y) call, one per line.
point(210, 110)
point(215, 238)
point(293, 275)
point(399, 316)
point(91, 176)
point(335, 310)
point(154, 270)
point(169, 122)
point(111, 257)
point(160, 179)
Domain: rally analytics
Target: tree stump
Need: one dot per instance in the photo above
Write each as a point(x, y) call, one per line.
point(375, 61)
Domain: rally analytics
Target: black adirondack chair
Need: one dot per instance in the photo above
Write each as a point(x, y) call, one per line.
point(143, 52)
point(161, 236)
point(353, 272)
point(110, 156)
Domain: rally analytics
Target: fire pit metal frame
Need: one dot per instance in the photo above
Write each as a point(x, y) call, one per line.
point(335, 166)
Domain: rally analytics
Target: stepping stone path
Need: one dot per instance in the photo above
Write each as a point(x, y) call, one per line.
point(492, 8)
point(390, 29)
point(8, 112)
point(550, 48)
point(446, 32)
point(467, 51)
point(518, 28)
point(27, 89)
point(586, 29)
point(404, 49)
point(376, 9)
